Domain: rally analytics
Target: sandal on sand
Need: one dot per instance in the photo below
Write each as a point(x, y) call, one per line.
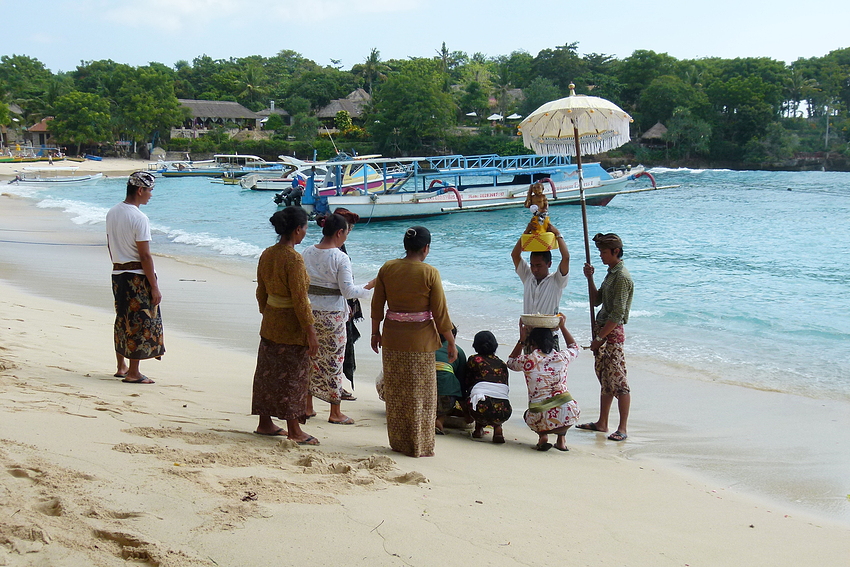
point(589, 427)
point(564, 449)
point(347, 396)
point(346, 421)
point(309, 441)
point(438, 431)
point(120, 375)
point(617, 436)
point(278, 432)
point(143, 380)
point(542, 447)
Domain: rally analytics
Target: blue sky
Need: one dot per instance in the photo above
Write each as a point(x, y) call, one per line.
point(62, 33)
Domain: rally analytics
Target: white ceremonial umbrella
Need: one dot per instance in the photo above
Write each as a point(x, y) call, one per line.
point(574, 126)
point(514, 116)
point(473, 113)
point(495, 116)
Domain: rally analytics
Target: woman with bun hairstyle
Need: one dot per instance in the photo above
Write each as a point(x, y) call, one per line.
point(331, 284)
point(287, 335)
point(416, 316)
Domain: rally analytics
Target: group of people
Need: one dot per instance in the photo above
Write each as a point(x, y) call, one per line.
point(308, 302)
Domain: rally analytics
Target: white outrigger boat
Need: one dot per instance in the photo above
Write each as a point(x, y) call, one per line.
point(54, 175)
point(429, 186)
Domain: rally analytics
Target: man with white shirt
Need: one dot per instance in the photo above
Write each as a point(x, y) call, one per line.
point(542, 290)
point(138, 324)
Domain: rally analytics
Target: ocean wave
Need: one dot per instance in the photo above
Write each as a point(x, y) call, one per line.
point(450, 286)
point(661, 169)
point(227, 245)
point(81, 213)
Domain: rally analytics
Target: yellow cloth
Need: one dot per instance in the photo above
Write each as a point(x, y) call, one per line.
point(410, 286)
point(281, 274)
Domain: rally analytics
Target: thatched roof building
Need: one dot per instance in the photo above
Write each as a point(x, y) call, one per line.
point(655, 134)
point(355, 103)
point(205, 113)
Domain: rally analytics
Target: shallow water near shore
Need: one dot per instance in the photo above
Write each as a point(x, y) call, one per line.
point(739, 275)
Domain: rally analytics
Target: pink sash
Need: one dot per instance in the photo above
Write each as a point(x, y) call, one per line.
point(419, 317)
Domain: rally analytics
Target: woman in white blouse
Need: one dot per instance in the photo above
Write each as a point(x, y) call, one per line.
point(331, 284)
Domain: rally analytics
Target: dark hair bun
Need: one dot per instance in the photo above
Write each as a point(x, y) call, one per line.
point(286, 221)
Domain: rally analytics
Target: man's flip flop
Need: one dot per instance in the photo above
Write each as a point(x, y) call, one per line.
point(617, 436)
point(143, 380)
point(309, 441)
point(589, 427)
point(564, 449)
point(119, 375)
point(279, 432)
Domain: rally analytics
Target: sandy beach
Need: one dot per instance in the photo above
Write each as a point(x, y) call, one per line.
point(98, 472)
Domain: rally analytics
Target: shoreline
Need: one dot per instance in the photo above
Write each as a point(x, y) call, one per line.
point(711, 452)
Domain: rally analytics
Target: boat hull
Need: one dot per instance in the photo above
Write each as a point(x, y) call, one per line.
point(398, 206)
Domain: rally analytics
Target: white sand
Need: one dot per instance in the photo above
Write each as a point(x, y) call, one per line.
point(97, 472)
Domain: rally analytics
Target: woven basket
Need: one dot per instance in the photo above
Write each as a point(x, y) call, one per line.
point(538, 320)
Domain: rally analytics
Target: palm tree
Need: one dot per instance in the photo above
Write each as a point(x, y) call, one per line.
point(253, 89)
point(371, 70)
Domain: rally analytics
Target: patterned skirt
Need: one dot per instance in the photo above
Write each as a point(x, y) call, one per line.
point(554, 418)
point(281, 380)
point(410, 392)
point(491, 411)
point(326, 368)
point(610, 364)
point(138, 324)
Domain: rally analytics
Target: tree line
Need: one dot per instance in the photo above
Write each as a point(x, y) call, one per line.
point(730, 110)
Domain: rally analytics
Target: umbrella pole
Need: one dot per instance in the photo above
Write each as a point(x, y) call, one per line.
point(584, 225)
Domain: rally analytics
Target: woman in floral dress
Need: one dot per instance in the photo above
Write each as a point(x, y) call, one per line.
point(551, 408)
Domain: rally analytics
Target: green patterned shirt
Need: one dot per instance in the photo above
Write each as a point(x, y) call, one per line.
point(615, 296)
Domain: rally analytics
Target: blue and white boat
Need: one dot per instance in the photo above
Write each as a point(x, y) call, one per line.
point(430, 186)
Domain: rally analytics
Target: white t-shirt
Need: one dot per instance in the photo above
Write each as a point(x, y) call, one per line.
point(126, 225)
point(331, 268)
point(542, 297)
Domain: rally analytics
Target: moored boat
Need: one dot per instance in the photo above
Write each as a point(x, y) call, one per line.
point(236, 165)
point(54, 175)
point(429, 186)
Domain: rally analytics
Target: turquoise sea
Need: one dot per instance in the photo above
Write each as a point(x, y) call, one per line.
point(741, 277)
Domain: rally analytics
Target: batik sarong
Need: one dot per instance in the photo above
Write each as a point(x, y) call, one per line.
point(138, 323)
point(281, 380)
point(326, 367)
point(410, 392)
point(610, 364)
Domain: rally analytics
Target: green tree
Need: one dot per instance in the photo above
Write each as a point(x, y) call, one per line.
point(371, 71)
point(636, 71)
point(688, 134)
point(474, 99)
point(342, 120)
point(254, 90)
point(305, 128)
point(410, 111)
point(745, 106)
point(23, 80)
point(296, 105)
point(776, 145)
point(539, 92)
point(561, 65)
point(81, 118)
point(663, 95)
point(146, 104)
point(275, 122)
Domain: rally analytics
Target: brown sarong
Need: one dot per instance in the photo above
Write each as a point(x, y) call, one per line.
point(281, 380)
point(410, 392)
point(138, 324)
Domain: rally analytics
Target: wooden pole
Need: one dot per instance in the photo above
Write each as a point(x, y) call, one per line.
point(584, 224)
